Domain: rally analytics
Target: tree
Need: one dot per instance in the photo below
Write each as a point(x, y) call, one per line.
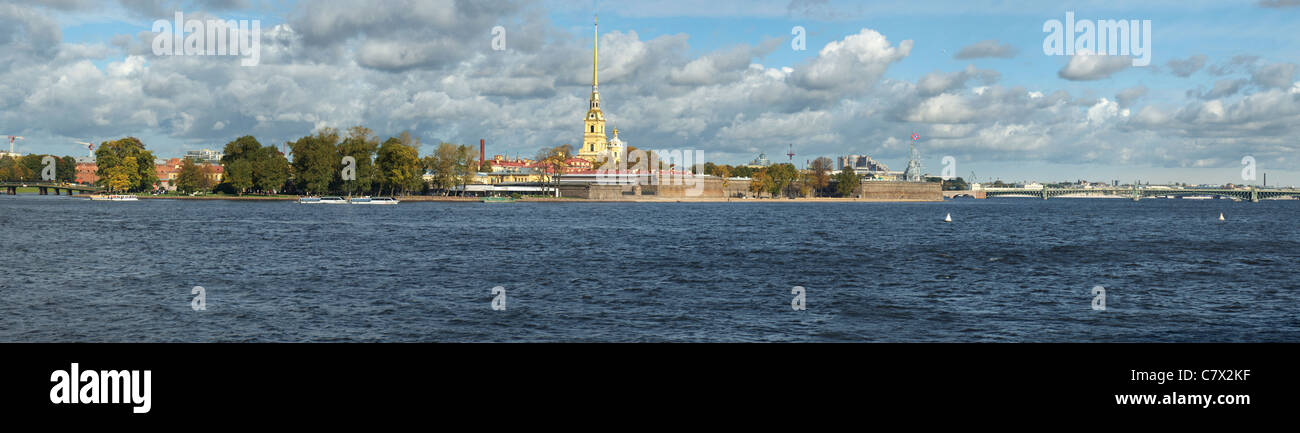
point(12, 169)
point(958, 184)
point(760, 182)
point(399, 164)
point(67, 169)
point(245, 147)
point(724, 172)
point(120, 176)
point(553, 162)
point(847, 182)
point(819, 173)
point(466, 166)
point(192, 177)
point(316, 161)
point(361, 145)
point(32, 162)
point(239, 174)
point(781, 176)
point(443, 165)
point(112, 155)
point(270, 171)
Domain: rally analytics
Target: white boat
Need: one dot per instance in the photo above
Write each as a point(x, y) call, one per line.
point(321, 200)
point(115, 197)
point(375, 200)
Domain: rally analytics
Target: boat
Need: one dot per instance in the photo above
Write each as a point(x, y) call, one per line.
point(375, 200)
point(321, 200)
point(114, 197)
point(498, 200)
point(947, 218)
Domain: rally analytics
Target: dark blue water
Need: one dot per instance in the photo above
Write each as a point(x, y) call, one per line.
point(1004, 270)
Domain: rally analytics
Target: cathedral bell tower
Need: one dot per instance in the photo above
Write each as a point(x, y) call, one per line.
point(594, 142)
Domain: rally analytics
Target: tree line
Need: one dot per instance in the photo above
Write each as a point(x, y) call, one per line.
point(393, 166)
point(28, 168)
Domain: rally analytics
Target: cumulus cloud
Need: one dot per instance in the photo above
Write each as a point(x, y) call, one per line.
point(1277, 75)
point(938, 82)
point(1128, 96)
point(1087, 66)
point(986, 48)
point(1186, 67)
point(1221, 89)
point(857, 61)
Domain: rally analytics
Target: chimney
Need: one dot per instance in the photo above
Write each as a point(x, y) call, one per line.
point(482, 150)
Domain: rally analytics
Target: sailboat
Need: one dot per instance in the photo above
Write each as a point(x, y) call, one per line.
point(947, 218)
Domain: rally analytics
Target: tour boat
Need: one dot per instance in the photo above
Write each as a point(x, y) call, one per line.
point(375, 200)
point(322, 200)
point(498, 200)
point(115, 197)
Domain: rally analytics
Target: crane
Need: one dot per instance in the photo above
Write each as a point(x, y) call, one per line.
point(90, 149)
point(11, 142)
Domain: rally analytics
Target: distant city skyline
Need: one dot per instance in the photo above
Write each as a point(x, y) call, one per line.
point(971, 78)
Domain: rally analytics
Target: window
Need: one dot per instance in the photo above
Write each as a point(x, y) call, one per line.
point(593, 128)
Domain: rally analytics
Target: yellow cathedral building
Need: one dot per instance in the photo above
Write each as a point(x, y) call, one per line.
point(595, 145)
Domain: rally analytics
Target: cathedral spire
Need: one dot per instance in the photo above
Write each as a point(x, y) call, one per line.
point(595, 51)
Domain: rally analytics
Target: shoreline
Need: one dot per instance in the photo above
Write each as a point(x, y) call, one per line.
point(434, 199)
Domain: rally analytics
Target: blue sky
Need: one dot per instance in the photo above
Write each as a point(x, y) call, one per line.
point(341, 63)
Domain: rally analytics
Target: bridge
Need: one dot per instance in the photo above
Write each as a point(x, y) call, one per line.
point(44, 188)
point(1251, 194)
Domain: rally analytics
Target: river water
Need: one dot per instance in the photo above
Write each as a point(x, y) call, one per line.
point(1003, 270)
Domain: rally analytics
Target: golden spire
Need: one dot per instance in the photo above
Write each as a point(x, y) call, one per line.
point(595, 51)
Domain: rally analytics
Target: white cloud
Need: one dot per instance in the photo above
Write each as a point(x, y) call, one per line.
point(1086, 66)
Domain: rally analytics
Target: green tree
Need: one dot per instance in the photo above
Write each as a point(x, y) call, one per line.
point(270, 170)
point(111, 155)
point(361, 145)
point(316, 161)
point(12, 169)
point(245, 147)
point(956, 184)
point(847, 182)
point(239, 174)
point(67, 169)
point(442, 163)
point(399, 164)
point(782, 176)
point(120, 176)
point(32, 162)
point(192, 177)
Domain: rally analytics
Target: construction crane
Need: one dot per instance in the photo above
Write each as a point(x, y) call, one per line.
point(11, 142)
point(90, 149)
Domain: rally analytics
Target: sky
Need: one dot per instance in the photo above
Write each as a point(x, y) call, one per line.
point(971, 78)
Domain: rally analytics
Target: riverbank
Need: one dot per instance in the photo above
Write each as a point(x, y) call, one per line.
point(422, 198)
